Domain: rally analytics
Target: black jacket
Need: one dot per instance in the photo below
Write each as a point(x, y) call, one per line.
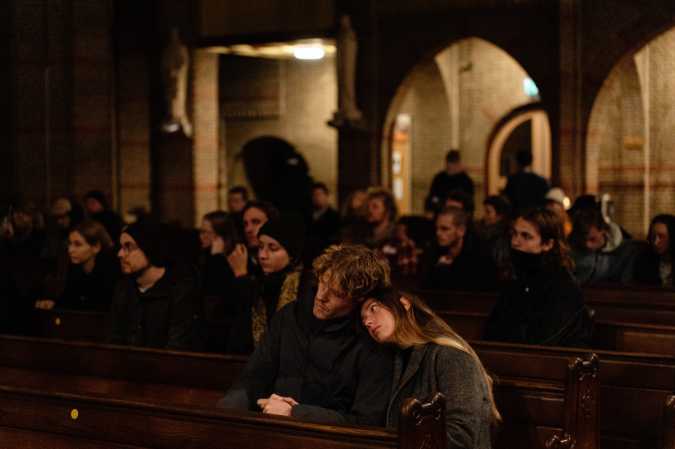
point(162, 317)
point(443, 184)
point(91, 291)
point(543, 308)
point(332, 368)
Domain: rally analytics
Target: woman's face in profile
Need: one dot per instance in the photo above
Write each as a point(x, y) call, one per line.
point(526, 238)
point(378, 320)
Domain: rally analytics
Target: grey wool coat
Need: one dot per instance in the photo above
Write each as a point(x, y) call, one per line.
point(434, 368)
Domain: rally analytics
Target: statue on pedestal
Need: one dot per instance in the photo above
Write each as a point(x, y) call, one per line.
point(348, 112)
point(175, 64)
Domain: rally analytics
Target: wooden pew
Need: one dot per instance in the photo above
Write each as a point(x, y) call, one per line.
point(70, 324)
point(633, 388)
point(182, 379)
point(669, 423)
point(607, 335)
point(34, 419)
point(624, 304)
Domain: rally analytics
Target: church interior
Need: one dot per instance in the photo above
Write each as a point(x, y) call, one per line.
point(181, 177)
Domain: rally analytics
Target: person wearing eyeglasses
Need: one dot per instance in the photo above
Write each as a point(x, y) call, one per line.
point(155, 304)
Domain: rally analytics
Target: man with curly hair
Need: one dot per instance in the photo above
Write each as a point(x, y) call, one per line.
point(314, 362)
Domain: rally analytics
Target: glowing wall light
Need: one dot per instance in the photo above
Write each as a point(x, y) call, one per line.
point(309, 52)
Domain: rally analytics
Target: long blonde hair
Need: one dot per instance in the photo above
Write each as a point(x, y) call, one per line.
point(419, 325)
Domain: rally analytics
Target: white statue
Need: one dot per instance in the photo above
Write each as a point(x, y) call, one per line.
point(347, 47)
point(175, 64)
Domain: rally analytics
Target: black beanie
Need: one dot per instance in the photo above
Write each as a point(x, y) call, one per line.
point(149, 240)
point(289, 231)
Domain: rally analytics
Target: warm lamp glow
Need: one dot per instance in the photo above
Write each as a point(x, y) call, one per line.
point(309, 52)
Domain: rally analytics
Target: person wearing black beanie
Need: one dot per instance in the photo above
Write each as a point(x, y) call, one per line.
point(155, 304)
point(280, 245)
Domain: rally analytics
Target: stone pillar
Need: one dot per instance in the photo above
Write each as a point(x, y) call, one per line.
point(205, 143)
point(568, 163)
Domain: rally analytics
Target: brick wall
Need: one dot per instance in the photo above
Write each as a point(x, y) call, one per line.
point(630, 139)
point(490, 85)
point(308, 99)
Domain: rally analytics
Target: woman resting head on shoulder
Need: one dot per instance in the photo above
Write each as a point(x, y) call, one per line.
point(432, 358)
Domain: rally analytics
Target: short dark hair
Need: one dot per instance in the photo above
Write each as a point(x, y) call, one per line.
point(459, 216)
point(243, 191)
point(322, 186)
point(453, 156)
point(524, 158)
point(268, 208)
point(582, 223)
point(501, 204)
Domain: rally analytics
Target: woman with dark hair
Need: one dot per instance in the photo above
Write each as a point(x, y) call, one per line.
point(430, 358)
point(92, 273)
point(256, 299)
point(541, 304)
point(218, 236)
point(654, 265)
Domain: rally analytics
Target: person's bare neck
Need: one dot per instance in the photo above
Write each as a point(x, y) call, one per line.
point(150, 276)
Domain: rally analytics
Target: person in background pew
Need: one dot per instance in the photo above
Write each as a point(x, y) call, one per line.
point(353, 218)
point(454, 262)
point(242, 259)
point(431, 358)
point(600, 251)
point(218, 236)
point(382, 215)
point(542, 304)
point(654, 264)
point(494, 233)
point(154, 304)
point(98, 208)
point(315, 363)
point(93, 270)
point(255, 300)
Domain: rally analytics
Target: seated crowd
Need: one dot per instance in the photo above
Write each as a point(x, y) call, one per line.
point(314, 297)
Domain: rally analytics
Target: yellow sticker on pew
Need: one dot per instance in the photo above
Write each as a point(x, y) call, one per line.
point(74, 414)
point(57, 321)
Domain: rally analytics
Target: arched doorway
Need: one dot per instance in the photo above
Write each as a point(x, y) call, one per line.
point(629, 142)
point(523, 129)
point(453, 99)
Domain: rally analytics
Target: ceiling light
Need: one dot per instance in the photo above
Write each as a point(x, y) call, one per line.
point(309, 52)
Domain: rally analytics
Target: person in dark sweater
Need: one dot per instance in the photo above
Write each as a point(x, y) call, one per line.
point(325, 225)
point(526, 189)
point(542, 304)
point(431, 358)
point(654, 263)
point(93, 270)
point(314, 363)
point(454, 262)
point(454, 177)
point(255, 300)
point(155, 304)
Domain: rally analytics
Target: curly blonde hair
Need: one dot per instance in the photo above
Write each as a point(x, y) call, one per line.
point(353, 270)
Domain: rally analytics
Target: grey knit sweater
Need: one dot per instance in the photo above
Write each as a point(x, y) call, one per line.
point(433, 368)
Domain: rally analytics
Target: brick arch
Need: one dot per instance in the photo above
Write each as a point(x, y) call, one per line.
point(490, 61)
point(628, 134)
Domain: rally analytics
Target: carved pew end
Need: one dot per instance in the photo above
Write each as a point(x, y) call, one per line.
point(422, 425)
